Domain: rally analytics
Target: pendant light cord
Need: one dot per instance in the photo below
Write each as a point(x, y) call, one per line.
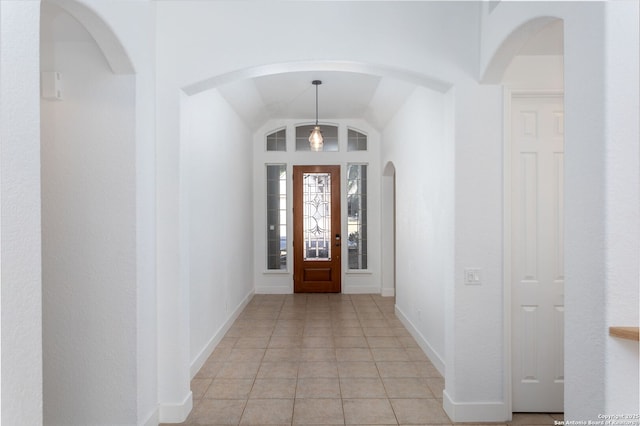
point(316, 83)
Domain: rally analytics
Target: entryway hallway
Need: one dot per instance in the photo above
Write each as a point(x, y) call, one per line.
point(321, 359)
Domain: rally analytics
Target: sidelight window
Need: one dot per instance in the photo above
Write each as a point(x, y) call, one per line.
point(277, 216)
point(357, 215)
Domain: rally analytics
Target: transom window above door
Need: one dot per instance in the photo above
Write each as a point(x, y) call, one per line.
point(277, 141)
point(329, 133)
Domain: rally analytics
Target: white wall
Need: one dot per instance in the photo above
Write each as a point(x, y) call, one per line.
point(219, 182)
point(623, 204)
point(474, 388)
point(20, 259)
point(601, 193)
point(416, 141)
point(89, 230)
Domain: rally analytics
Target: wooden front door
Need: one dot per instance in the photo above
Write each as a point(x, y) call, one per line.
point(317, 241)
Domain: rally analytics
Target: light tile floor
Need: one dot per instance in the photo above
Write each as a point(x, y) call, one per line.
point(321, 359)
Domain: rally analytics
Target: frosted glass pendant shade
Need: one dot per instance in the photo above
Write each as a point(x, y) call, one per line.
point(315, 139)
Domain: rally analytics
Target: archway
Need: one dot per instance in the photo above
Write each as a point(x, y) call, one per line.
point(529, 64)
point(88, 192)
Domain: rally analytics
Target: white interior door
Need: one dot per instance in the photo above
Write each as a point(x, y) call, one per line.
point(537, 260)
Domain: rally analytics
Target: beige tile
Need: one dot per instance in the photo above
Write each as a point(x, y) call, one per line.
point(217, 411)
point(288, 331)
point(389, 354)
point(273, 388)
point(318, 369)
point(252, 342)
point(351, 342)
point(368, 411)
point(374, 317)
point(278, 370)
point(416, 411)
point(291, 323)
point(393, 322)
point(257, 331)
point(234, 331)
point(358, 369)
point(314, 319)
point(396, 369)
point(318, 354)
point(426, 369)
point(354, 387)
point(318, 330)
point(532, 419)
point(377, 331)
point(318, 411)
point(238, 370)
point(229, 389)
point(209, 370)
point(383, 342)
point(199, 387)
point(348, 331)
point(318, 315)
point(408, 342)
point(318, 388)
point(281, 354)
point(407, 387)
point(353, 354)
point(267, 412)
point(281, 342)
point(220, 354)
point(374, 323)
point(227, 342)
point(345, 318)
point(317, 342)
point(262, 314)
point(416, 354)
point(436, 385)
point(400, 332)
point(291, 315)
point(245, 355)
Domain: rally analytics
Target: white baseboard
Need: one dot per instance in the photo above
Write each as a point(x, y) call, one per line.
point(435, 358)
point(388, 292)
point(176, 413)
point(473, 411)
point(152, 419)
point(204, 354)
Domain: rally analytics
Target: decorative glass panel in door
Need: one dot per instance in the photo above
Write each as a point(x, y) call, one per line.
point(316, 193)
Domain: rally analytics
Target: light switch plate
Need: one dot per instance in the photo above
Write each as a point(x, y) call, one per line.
point(472, 276)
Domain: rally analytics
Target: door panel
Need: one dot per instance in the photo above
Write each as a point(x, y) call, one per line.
point(316, 229)
point(537, 269)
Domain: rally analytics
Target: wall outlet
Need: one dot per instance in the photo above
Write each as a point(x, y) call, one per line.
point(472, 276)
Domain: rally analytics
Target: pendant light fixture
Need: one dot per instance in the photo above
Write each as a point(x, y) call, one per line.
point(316, 140)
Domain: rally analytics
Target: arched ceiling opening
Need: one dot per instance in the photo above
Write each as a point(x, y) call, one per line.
point(348, 91)
point(539, 36)
point(71, 21)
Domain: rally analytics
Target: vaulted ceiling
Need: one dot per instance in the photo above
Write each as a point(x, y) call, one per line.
point(290, 95)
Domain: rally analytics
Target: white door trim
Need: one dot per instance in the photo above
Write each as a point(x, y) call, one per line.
point(508, 95)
